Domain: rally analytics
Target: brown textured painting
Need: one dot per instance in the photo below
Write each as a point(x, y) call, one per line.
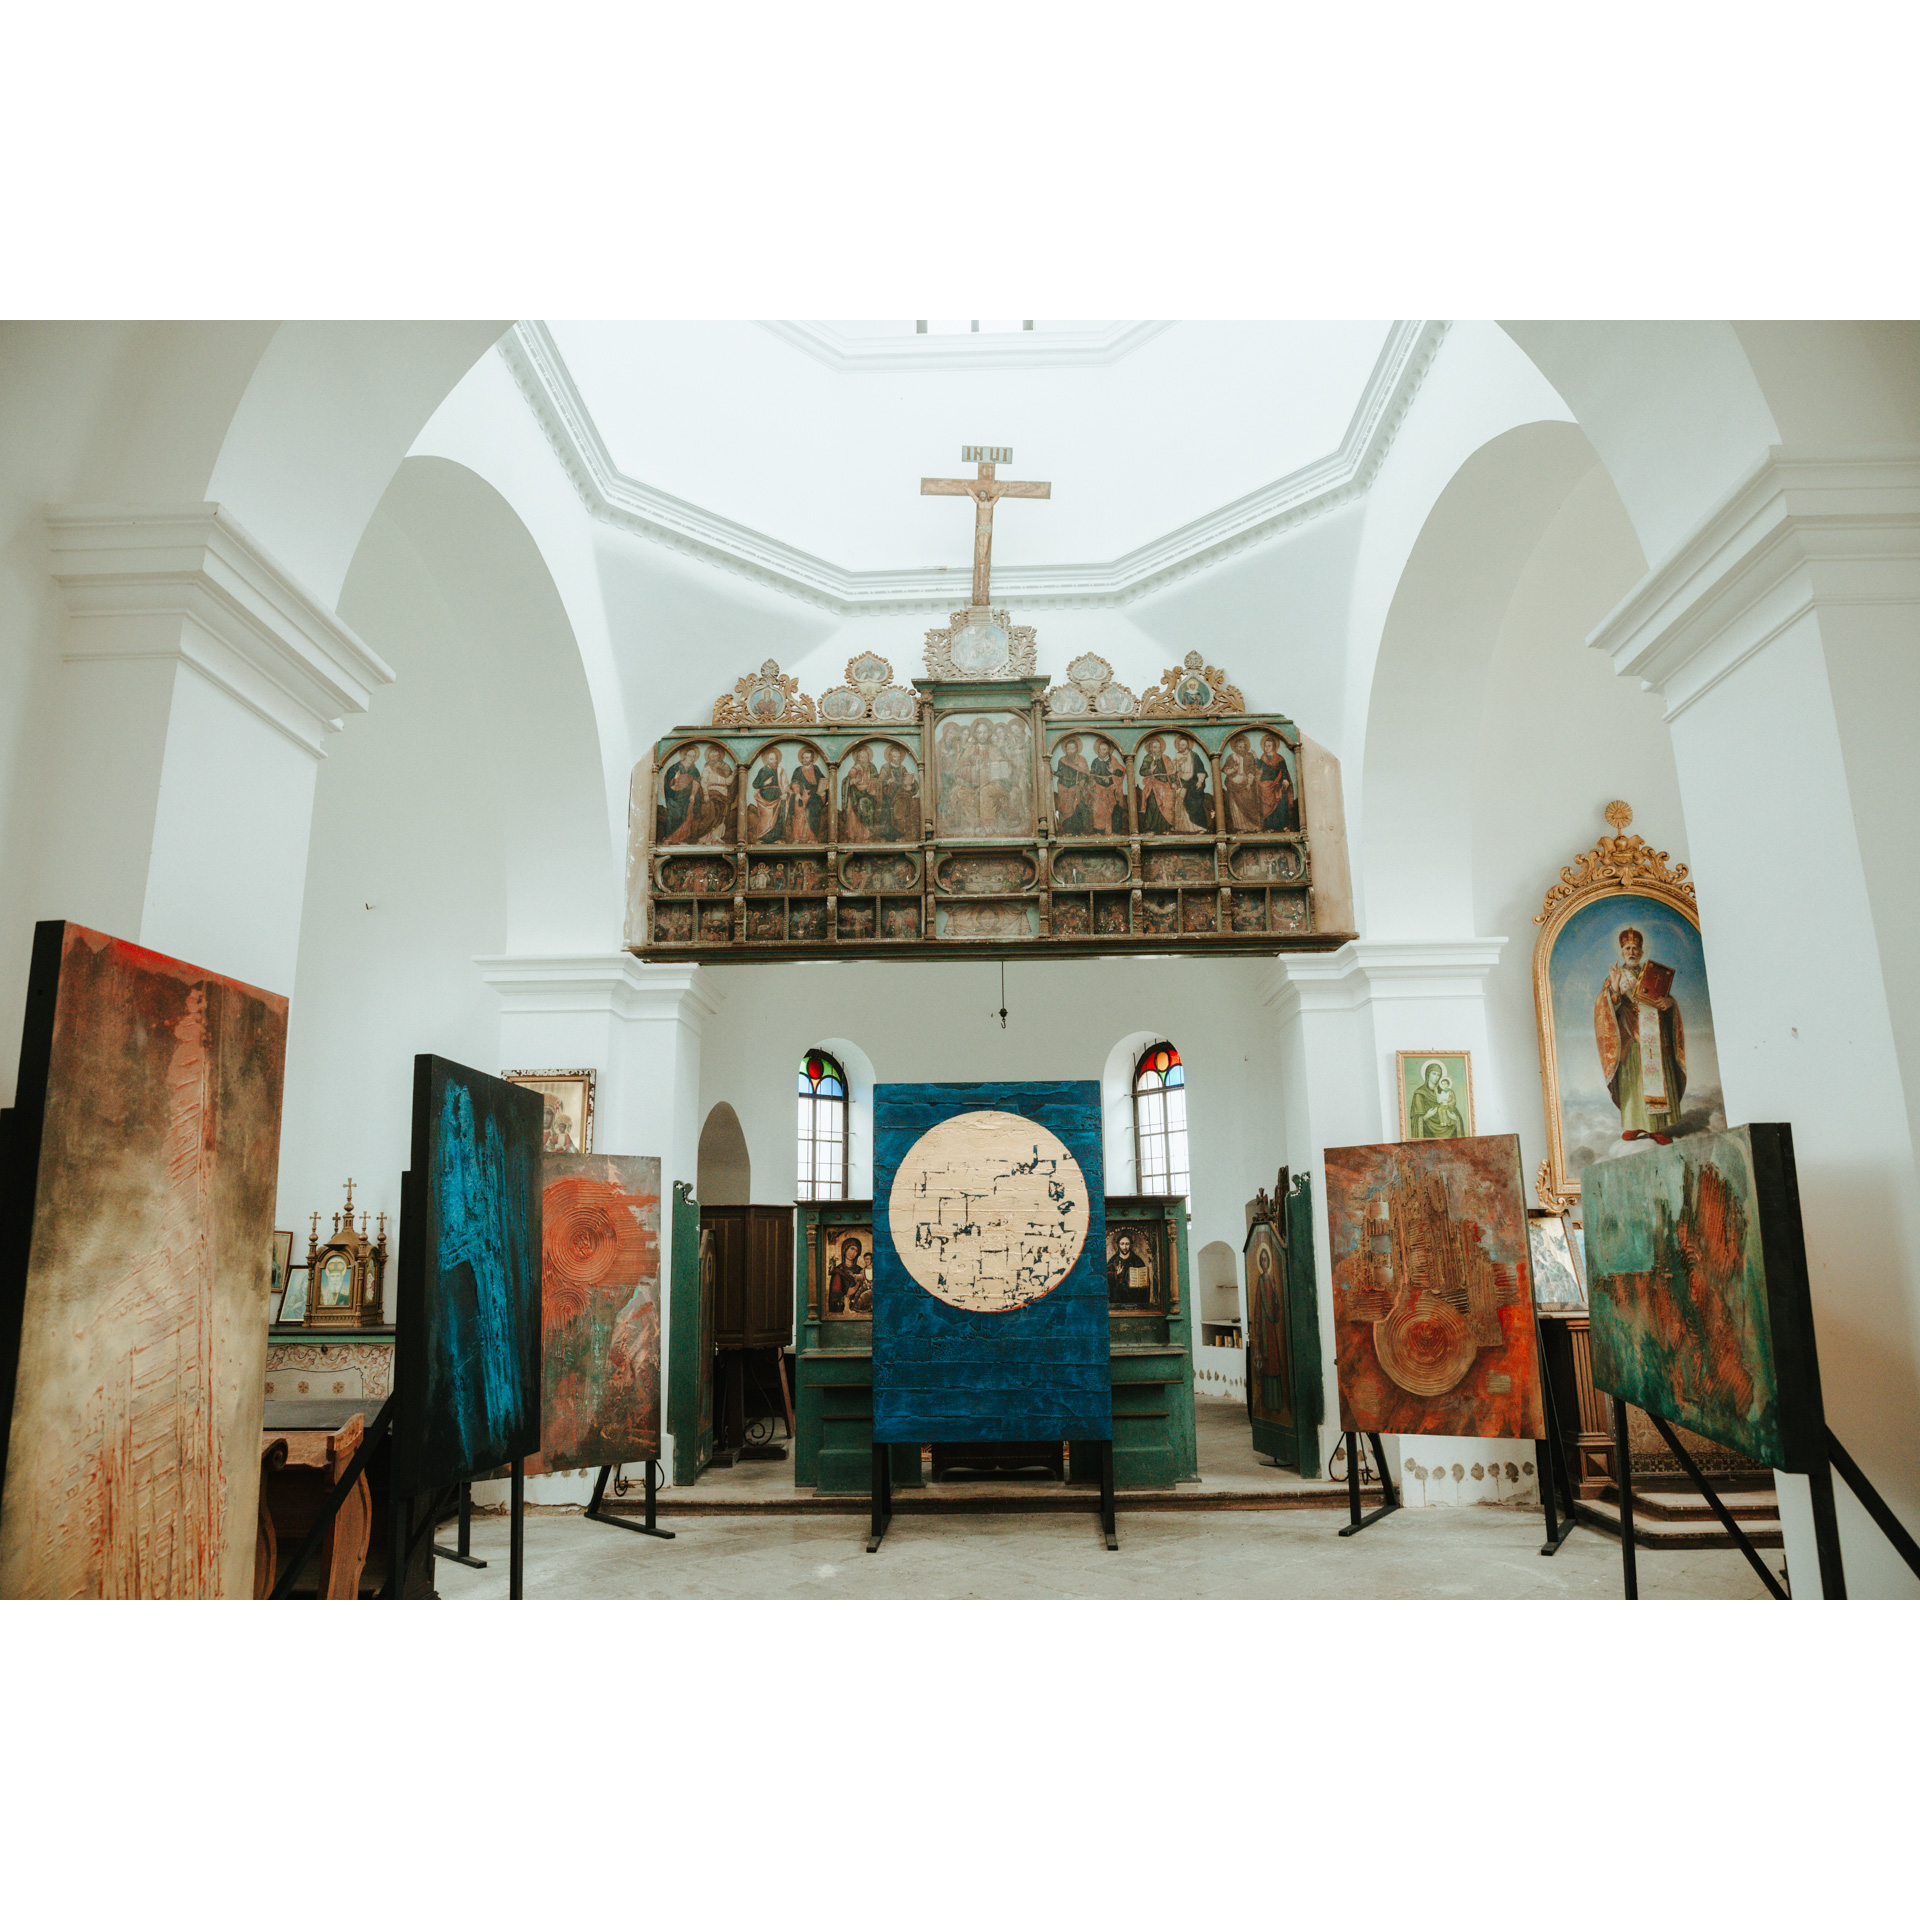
point(600, 1311)
point(135, 1258)
point(1432, 1304)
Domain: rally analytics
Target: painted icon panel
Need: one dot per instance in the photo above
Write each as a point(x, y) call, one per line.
point(1557, 1286)
point(983, 764)
point(599, 1311)
point(1089, 788)
point(1173, 785)
point(468, 1311)
point(136, 1251)
point(1432, 1306)
point(1260, 784)
point(847, 1292)
point(1697, 1290)
point(1436, 1094)
point(1269, 1361)
point(1136, 1268)
point(989, 1229)
point(879, 794)
point(1633, 1037)
point(789, 793)
point(699, 789)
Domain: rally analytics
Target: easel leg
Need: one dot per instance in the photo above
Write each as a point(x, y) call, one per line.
point(1107, 1525)
point(1389, 1498)
point(399, 1531)
point(618, 1520)
point(1623, 1485)
point(517, 1535)
point(463, 1553)
point(1882, 1515)
point(1550, 1459)
point(1389, 1493)
point(1826, 1532)
point(882, 1498)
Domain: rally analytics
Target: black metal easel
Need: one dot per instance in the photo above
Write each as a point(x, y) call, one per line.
point(618, 1520)
point(882, 1512)
point(1550, 1457)
point(463, 1553)
point(1826, 1523)
point(1389, 1494)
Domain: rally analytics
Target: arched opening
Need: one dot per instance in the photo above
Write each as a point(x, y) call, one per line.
point(822, 1132)
point(724, 1172)
point(1160, 1120)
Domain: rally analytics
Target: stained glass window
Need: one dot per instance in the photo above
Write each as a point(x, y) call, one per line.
point(1160, 1120)
point(823, 1127)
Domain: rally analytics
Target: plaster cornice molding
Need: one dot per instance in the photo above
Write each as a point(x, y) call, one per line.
point(965, 352)
point(1368, 970)
point(534, 361)
point(189, 583)
point(1804, 530)
point(614, 984)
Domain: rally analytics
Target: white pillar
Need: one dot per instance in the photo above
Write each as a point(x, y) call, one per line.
point(199, 681)
point(1784, 635)
point(639, 1028)
point(1343, 1017)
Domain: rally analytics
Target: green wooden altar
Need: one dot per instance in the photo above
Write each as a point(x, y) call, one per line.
point(1149, 1318)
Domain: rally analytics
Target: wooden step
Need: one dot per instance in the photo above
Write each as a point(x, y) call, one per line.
point(1696, 1529)
point(1676, 1503)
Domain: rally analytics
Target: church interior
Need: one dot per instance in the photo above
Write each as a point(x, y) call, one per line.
point(628, 900)
point(446, 681)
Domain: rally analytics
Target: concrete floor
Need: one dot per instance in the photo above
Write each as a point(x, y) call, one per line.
point(1477, 1553)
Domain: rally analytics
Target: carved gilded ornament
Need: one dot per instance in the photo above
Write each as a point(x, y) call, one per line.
point(766, 698)
point(1090, 689)
point(1190, 691)
point(979, 643)
point(1617, 863)
point(869, 694)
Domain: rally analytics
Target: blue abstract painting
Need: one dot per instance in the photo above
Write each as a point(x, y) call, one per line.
point(989, 1263)
point(468, 1301)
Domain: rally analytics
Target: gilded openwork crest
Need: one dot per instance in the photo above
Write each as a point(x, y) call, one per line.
point(763, 699)
point(869, 695)
point(1090, 689)
point(979, 643)
point(1191, 689)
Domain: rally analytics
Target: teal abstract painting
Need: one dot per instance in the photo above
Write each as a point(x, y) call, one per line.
point(1697, 1283)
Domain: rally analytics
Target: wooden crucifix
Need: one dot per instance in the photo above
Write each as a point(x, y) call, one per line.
point(985, 491)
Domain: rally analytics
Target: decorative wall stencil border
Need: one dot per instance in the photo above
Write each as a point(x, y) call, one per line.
point(532, 357)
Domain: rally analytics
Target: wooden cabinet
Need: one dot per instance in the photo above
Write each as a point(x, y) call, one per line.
point(753, 1275)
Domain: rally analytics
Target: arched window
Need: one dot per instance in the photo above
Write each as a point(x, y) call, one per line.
point(823, 1127)
point(1160, 1120)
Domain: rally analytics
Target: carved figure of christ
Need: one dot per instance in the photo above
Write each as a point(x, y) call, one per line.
point(984, 492)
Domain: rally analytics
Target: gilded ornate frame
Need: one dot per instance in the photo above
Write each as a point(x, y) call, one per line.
point(1618, 864)
point(583, 1077)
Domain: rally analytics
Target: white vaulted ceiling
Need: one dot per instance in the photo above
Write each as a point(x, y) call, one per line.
point(793, 452)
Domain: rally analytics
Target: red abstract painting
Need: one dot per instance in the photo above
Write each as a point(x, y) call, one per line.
point(135, 1261)
point(1432, 1294)
point(600, 1311)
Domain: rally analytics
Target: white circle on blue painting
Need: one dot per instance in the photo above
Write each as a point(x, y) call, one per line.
point(988, 1211)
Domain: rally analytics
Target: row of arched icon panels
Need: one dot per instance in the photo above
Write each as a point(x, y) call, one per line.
point(790, 794)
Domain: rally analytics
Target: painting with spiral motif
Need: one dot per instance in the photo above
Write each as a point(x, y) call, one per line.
point(599, 1311)
point(1432, 1295)
point(136, 1249)
point(1698, 1298)
point(467, 1308)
